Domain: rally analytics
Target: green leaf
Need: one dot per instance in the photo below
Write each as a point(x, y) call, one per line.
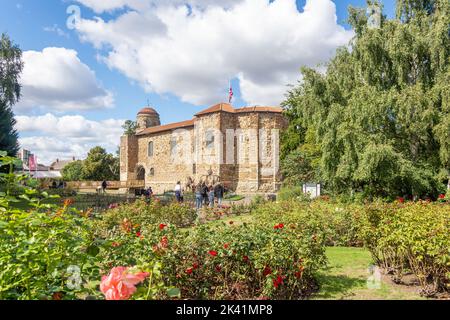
point(174, 293)
point(93, 250)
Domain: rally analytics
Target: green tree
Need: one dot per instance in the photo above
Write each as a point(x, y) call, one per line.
point(11, 66)
point(100, 166)
point(381, 113)
point(73, 171)
point(129, 127)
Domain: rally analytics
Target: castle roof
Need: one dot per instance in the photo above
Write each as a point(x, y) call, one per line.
point(226, 107)
point(148, 110)
point(221, 107)
point(167, 127)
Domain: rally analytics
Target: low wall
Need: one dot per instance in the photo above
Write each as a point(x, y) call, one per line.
point(77, 185)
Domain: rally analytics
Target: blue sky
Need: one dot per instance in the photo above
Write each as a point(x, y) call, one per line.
point(131, 81)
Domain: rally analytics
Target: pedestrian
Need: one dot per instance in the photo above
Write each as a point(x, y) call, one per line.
point(205, 191)
point(179, 192)
point(219, 194)
point(198, 196)
point(150, 192)
point(104, 186)
point(211, 196)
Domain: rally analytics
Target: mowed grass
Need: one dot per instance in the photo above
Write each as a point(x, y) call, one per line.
point(346, 278)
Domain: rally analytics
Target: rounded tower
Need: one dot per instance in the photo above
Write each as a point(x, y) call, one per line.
point(147, 118)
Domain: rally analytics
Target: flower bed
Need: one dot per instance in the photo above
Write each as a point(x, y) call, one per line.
point(248, 261)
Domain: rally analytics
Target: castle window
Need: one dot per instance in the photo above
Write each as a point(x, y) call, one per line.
point(150, 149)
point(152, 172)
point(209, 139)
point(173, 146)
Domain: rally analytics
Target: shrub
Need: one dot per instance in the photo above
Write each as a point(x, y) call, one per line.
point(247, 261)
point(143, 213)
point(292, 193)
point(411, 236)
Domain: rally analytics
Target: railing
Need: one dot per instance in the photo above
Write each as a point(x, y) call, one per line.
point(131, 184)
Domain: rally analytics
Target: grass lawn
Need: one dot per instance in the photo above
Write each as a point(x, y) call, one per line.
point(346, 279)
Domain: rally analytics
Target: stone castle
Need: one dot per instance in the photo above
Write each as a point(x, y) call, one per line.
point(237, 147)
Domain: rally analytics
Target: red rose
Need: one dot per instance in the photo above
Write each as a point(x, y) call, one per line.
point(442, 196)
point(164, 242)
point(189, 270)
point(231, 222)
point(226, 246)
point(267, 271)
point(400, 199)
point(115, 244)
point(195, 265)
point(138, 234)
point(245, 258)
point(213, 253)
point(278, 281)
point(279, 226)
point(218, 268)
point(162, 226)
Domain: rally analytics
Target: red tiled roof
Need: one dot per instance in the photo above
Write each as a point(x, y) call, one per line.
point(148, 110)
point(260, 109)
point(167, 127)
point(226, 107)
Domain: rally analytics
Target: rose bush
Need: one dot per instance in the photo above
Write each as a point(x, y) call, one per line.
point(411, 237)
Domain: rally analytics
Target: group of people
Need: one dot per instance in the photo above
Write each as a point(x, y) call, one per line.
point(206, 195)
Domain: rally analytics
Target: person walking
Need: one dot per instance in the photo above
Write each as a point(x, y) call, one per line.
point(205, 191)
point(198, 196)
point(211, 196)
point(104, 186)
point(178, 192)
point(219, 194)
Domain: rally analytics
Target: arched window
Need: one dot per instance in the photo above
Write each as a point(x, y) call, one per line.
point(210, 139)
point(152, 172)
point(140, 173)
point(150, 149)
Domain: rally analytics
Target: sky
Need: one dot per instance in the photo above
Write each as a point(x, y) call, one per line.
point(92, 64)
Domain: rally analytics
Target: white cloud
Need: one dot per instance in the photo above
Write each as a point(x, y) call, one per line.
point(56, 79)
point(111, 5)
point(51, 137)
point(55, 29)
point(193, 53)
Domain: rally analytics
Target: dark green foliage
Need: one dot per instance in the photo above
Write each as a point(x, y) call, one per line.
point(11, 66)
point(379, 120)
point(129, 127)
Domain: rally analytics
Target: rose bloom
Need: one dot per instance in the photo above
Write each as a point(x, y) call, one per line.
point(213, 253)
point(442, 196)
point(120, 284)
point(162, 226)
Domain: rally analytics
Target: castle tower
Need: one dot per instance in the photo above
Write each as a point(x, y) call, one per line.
point(147, 118)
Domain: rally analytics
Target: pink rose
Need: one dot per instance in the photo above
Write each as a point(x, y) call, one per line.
point(119, 284)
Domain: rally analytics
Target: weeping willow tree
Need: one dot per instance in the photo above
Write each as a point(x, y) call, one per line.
point(378, 120)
